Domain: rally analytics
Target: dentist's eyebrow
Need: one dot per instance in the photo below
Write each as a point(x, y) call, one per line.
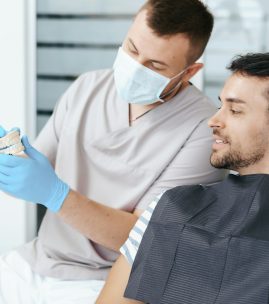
point(132, 43)
point(152, 60)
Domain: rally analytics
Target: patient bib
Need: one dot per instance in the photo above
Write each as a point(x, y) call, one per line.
point(206, 245)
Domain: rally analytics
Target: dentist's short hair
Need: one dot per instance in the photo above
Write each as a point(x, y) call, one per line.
point(189, 17)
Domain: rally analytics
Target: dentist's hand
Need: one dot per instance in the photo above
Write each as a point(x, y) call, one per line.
point(3, 132)
point(32, 178)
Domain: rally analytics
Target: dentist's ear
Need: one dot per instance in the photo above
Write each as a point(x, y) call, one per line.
point(192, 70)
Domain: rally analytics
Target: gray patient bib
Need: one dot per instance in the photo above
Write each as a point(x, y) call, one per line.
point(206, 245)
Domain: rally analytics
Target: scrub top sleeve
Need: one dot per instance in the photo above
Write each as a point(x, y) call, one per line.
point(190, 166)
point(47, 140)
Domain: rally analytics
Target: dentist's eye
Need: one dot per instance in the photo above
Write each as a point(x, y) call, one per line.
point(134, 52)
point(156, 66)
point(131, 49)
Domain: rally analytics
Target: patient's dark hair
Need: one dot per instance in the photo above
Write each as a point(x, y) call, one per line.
point(189, 17)
point(252, 65)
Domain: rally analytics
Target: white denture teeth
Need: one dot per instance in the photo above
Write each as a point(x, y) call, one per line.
point(11, 143)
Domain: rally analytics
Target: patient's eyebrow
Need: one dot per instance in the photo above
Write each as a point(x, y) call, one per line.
point(234, 100)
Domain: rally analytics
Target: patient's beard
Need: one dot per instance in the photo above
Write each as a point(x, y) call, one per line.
point(235, 160)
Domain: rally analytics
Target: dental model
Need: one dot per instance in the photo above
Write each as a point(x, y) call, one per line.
point(11, 143)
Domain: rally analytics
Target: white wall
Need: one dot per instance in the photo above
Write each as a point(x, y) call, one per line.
point(17, 106)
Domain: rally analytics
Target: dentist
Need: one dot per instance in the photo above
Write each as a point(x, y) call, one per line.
point(117, 138)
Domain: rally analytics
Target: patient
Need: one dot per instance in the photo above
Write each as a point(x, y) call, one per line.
point(209, 244)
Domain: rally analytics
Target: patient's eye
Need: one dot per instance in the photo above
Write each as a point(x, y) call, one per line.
point(235, 112)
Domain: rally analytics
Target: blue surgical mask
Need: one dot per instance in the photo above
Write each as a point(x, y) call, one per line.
point(136, 83)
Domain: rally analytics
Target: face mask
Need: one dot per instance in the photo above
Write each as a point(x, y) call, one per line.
point(136, 83)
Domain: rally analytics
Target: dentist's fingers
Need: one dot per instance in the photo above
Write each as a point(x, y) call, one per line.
point(15, 129)
point(6, 170)
point(30, 150)
point(11, 160)
point(3, 132)
point(4, 180)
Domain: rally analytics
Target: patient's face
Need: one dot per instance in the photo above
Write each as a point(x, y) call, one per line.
point(241, 126)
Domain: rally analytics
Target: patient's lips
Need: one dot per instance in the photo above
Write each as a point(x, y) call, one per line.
point(219, 142)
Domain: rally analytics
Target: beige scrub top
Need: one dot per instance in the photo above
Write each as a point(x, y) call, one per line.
point(89, 141)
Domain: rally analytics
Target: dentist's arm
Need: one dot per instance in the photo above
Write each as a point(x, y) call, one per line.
point(104, 225)
point(34, 179)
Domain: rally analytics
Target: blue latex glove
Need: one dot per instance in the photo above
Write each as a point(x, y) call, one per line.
point(32, 179)
point(2, 132)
